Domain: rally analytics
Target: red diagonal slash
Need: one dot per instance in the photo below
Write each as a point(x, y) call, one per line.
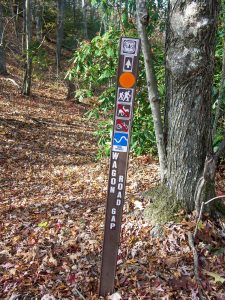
point(121, 123)
point(127, 114)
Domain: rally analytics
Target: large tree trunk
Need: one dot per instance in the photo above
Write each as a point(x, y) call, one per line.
point(189, 73)
point(60, 31)
point(3, 70)
point(28, 68)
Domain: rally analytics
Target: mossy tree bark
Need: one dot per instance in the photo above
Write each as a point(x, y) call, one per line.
point(190, 42)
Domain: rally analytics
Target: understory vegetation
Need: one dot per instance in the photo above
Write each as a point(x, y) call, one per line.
point(94, 68)
point(55, 144)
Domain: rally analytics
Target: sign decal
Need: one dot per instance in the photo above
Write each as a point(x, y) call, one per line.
point(125, 95)
point(122, 125)
point(128, 63)
point(123, 113)
point(129, 46)
point(120, 142)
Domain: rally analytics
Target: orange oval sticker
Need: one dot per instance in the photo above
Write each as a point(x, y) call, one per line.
point(127, 80)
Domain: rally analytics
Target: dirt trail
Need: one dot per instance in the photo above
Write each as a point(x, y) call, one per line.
point(52, 203)
point(53, 194)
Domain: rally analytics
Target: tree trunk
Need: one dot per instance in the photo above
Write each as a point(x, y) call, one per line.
point(74, 13)
point(3, 70)
point(28, 68)
point(190, 41)
point(126, 17)
point(23, 42)
point(60, 31)
point(38, 20)
point(84, 12)
point(153, 94)
point(15, 11)
point(71, 89)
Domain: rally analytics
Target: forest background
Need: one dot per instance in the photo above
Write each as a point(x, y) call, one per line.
point(74, 45)
point(91, 32)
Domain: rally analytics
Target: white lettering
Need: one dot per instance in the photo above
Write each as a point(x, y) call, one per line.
point(113, 181)
point(113, 219)
point(112, 189)
point(114, 173)
point(120, 178)
point(115, 155)
point(112, 225)
point(113, 211)
point(118, 202)
point(114, 165)
point(119, 195)
point(120, 186)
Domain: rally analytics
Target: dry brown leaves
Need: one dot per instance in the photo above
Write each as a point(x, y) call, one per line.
point(53, 196)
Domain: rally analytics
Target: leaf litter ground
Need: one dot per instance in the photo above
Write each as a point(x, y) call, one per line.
point(53, 194)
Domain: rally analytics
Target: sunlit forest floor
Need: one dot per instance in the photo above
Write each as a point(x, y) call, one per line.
point(52, 203)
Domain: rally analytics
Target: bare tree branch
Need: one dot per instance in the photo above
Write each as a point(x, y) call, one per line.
point(196, 268)
point(201, 211)
point(153, 94)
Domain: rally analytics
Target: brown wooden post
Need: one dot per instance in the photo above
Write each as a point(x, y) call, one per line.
point(123, 115)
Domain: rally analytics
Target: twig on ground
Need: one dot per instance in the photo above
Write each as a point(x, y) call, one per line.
point(79, 294)
point(201, 211)
point(191, 238)
point(11, 80)
point(196, 271)
point(208, 175)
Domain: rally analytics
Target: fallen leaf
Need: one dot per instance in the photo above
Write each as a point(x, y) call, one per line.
point(115, 296)
point(217, 277)
point(43, 224)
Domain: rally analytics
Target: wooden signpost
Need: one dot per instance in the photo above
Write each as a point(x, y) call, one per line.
point(123, 114)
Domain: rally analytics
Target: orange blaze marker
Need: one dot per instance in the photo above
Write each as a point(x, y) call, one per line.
point(127, 80)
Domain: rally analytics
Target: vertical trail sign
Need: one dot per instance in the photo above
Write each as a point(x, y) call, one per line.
point(123, 114)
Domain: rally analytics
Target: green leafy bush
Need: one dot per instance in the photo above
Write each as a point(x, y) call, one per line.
point(94, 70)
point(40, 61)
point(219, 134)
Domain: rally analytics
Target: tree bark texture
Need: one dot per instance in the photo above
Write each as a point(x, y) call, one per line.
point(28, 68)
point(60, 31)
point(153, 94)
point(3, 70)
point(23, 42)
point(38, 19)
point(15, 11)
point(190, 47)
point(84, 12)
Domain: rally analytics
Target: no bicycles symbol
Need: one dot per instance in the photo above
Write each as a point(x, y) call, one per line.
point(122, 125)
